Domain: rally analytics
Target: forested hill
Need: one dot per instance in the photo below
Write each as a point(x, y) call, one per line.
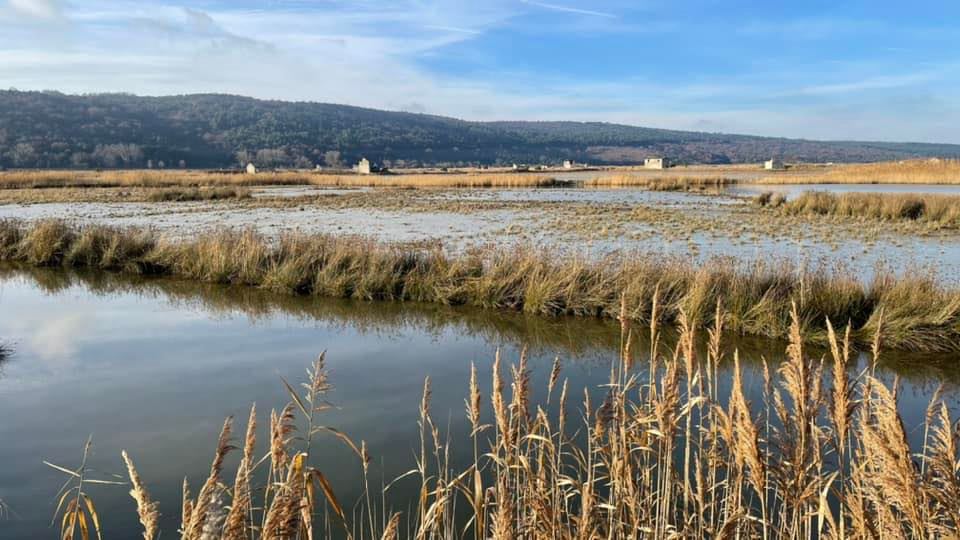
point(53, 130)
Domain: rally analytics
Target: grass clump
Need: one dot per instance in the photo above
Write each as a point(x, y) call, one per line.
point(941, 211)
point(769, 199)
point(198, 194)
point(662, 183)
point(758, 296)
point(676, 453)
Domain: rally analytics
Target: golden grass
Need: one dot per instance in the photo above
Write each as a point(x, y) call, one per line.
point(153, 178)
point(921, 315)
point(678, 453)
point(915, 171)
point(769, 198)
point(940, 211)
point(198, 194)
point(661, 183)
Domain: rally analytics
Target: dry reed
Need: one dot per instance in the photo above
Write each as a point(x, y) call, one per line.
point(921, 314)
point(914, 171)
point(662, 183)
point(198, 194)
point(939, 211)
point(148, 178)
point(666, 457)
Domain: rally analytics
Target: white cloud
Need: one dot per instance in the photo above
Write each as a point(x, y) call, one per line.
point(39, 9)
point(374, 53)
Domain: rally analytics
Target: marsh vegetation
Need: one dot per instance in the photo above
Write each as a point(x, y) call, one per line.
point(662, 183)
point(914, 171)
point(198, 194)
point(679, 452)
point(32, 179)
point(933, 210)
point(921, 314)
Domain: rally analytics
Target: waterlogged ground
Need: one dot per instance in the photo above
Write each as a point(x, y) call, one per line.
point(589, 222)
point(154, 367)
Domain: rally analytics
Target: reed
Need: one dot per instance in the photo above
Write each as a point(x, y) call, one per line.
point(658, 457)
point(662, 183)
point(914, 171)
point(153, 178)
point(940, 211)
point(921, 314)
point(198, 194)
point(769, 199)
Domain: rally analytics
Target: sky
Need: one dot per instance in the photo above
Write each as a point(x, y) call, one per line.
point(839, 69)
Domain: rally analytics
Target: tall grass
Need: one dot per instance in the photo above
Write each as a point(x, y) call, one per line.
point(915, 171)
point(198, 194)
point(661, 183)
point(680, 453)
point(147, 178)
point(921, 314)
point(935, 210)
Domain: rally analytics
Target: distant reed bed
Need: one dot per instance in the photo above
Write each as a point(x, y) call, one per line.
point(198, 194)
point(662, 183)
point(914, 171)
point(477, 180)
point(921, 314)
point(676, 452)
point(154, 178)
point(934, 210)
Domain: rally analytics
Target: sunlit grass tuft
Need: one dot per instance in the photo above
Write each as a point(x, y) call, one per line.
point(941, 211)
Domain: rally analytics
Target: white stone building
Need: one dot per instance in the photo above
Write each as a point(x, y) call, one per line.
point(656, 163)
point(773, 164)
point(364, 166)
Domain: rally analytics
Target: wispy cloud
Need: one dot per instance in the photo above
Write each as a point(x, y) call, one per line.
point(39, 9)
point(872, 83)
point(662, 66)
point(569, 9)
point(453, 29)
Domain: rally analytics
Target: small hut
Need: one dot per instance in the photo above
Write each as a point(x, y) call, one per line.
point(364, 166)
point(656, 163)
point(773, 164)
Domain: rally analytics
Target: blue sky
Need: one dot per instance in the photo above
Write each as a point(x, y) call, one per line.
point(877, 70)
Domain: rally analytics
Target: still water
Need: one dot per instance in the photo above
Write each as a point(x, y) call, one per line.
point(154, 367)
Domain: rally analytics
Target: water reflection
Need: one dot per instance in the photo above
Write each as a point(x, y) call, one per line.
point(153, 367)
point(572, 338)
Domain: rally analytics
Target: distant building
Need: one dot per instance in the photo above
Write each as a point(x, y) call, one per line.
point(657, 163)
point(568, 164)
point(364, 166)
point(773, 165)
point(251, 168)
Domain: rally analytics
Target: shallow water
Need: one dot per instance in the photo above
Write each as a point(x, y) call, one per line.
point(507, 217)
point(153, 367)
